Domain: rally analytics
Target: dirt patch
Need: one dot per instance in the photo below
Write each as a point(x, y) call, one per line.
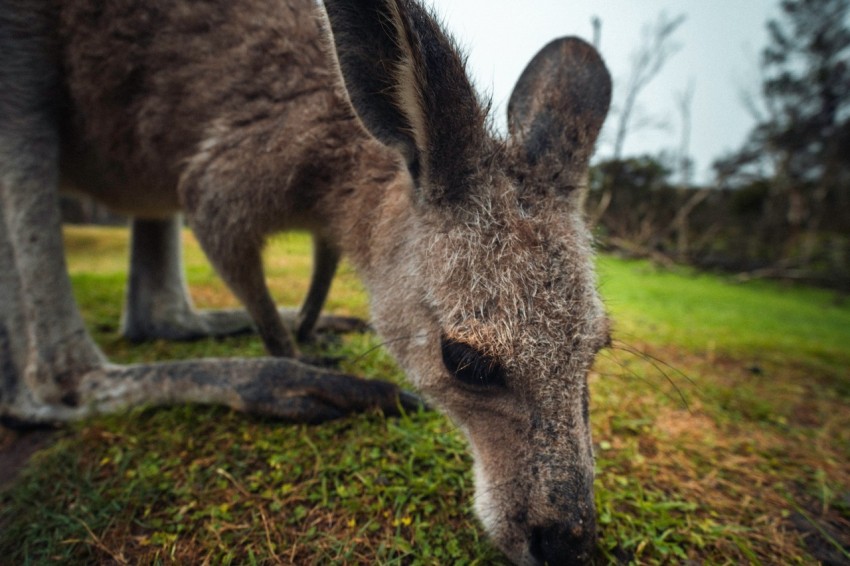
point(826, 538)
point(17, 447)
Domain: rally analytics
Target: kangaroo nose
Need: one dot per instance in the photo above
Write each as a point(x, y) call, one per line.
point(563, 544)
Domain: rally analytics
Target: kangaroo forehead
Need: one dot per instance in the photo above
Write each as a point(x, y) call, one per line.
point(503, 296)
point(506, 320)
point(535, 262)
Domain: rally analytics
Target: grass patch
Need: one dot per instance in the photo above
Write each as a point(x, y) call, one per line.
point(715, 317)
point(720, 421)
point(212, 485)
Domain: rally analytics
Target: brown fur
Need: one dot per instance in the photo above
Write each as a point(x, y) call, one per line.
point(233, 113)
point(168, 100)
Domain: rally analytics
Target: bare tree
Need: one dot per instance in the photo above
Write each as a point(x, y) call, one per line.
point(684, 167)
point(596, 22)
point(684, 164)
point(656, 47)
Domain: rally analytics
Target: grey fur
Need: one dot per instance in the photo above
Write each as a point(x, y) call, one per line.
point(233, 113)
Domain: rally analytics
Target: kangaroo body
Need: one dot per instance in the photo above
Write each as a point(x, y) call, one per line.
point(159, 92)
point(241, 116)
point(228, 112)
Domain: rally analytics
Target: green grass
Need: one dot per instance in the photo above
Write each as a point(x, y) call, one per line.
point(708, 314)
point(720, 420)
point(712, 314)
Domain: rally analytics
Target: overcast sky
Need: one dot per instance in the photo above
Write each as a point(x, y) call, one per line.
point(721, 41)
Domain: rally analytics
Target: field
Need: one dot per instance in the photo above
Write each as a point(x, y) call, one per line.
point(721, 421)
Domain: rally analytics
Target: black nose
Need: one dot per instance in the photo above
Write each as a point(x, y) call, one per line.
point(563, 544)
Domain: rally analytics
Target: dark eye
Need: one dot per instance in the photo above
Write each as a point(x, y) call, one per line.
point(471, 366)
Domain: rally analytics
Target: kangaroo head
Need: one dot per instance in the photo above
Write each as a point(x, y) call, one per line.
point(480, 265)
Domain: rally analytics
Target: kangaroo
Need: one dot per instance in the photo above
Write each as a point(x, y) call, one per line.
point(245, 116)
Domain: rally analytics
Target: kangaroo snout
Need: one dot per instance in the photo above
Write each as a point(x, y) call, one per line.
point(563, 544)
point(568, 537)
point(535, 525)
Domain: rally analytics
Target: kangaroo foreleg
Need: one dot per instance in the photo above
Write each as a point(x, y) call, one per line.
point(326, 258)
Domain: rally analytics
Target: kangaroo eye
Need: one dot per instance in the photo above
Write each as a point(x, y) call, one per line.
point(471, 366)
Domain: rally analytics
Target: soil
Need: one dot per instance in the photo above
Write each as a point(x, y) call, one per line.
point(824, 535)
point(17, 447)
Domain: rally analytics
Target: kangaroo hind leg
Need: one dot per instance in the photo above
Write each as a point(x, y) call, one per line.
point(157, 302)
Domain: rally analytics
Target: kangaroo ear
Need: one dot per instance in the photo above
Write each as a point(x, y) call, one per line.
point(557, 109)
point(410, 88)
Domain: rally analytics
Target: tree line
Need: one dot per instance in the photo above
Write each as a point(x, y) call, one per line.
point(780, 205)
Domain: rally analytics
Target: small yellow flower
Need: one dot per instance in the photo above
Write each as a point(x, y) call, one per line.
point(352, 523)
